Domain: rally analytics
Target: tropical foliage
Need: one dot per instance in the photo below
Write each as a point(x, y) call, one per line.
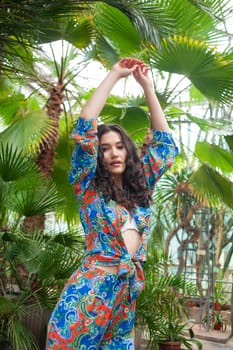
point(41, 93)
point(161, 307)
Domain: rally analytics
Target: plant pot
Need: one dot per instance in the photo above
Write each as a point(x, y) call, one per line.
point(170, 345)
point(36, 321)
point(218, 326)
point(217, 306)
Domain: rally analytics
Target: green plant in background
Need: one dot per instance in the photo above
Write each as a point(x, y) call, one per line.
point(34, 264)
point(215, 321)
point(176, 331)
point(161, 309)
point(171, 36)
point(33, 270)
point(221, 295)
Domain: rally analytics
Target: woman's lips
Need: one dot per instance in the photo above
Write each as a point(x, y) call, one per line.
point(115, 164)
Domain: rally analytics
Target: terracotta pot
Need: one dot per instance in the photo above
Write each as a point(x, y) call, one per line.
point(170, 345)
point(218, 326)
point(217, 306)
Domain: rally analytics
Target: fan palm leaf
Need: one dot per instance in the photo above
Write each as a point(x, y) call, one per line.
point(12, 312)
point(124, 114)
point(14, 168)
point(198, 18)
point(118, 29)
point(213, 8)
point(215, 156)
point(229, 140)
point(210, 186)
point(209, 71)
point(14, 164)
point(221, 126)
point(26, 25)
point(28, 130)
point(34, 200)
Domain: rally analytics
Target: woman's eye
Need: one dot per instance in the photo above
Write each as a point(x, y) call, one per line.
point(121, 147)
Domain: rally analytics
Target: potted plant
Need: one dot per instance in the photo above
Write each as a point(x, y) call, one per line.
point(161, 309)
point(220, 294)
point(174, 333)
point(215, 321)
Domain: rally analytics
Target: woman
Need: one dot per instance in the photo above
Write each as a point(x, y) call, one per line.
point(113, 187)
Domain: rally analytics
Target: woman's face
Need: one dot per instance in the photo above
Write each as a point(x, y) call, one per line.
point(114, 152)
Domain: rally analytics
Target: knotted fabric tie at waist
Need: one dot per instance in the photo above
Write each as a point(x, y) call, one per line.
point(128, 269)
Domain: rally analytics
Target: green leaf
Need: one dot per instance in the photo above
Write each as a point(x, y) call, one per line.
point(229, 140)
point(209, 71)
point(14, 164)
point(135, 121)
point(28, 130)
point(221, 125)
point(79, 35)
point(105, 52)
point(209, 186)
point(35, 200)
point(196, 95)
point(215, 156)
point(9, 107)
point(6, 305)
point(58, 261)
point(112, 114)
point(117, 27)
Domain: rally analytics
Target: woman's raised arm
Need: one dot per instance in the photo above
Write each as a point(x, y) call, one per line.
point(96, 102)
point(158, 120)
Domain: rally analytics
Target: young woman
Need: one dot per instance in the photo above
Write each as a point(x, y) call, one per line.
point(113, 187)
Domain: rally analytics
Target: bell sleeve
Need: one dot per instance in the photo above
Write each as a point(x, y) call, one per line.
point(84, 156)
point(160, 156)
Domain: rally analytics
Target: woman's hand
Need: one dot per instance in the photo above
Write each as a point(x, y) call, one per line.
point(126, 66)
point(141, 74)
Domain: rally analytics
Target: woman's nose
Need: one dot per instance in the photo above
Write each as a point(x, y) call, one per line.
point(114, 152)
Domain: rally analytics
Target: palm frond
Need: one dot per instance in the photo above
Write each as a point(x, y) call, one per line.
point(104, 51)
point(152, 20)
point(221, 126)
point(79, 34)
point(14, 164)
point(12, 312)
point(199, 18)
point(34, 200)
point(215, 156)
point(69, 211)
point(229, 140)
point(9, 105)
point(213, 8)
point(58, 262)
point(209, 71)
point(19, 335)
point(73, 240)
point(117, 27)
point(28, 130)
point(210, 186)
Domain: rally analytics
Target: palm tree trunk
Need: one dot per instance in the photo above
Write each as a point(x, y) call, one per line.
point(46, 156)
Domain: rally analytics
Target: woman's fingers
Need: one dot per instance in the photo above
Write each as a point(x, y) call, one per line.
point(130, 62)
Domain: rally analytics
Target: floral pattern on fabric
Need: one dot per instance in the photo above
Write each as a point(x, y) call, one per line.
point(102, 221)
point(93, 312)
point(96, 309)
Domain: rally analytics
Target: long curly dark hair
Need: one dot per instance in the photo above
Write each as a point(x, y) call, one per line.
point(134, 190)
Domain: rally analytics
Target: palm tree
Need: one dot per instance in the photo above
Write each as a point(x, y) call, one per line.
point(33, 266)
point(172, 37)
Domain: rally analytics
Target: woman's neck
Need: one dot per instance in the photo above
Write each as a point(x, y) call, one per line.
point(118, 181)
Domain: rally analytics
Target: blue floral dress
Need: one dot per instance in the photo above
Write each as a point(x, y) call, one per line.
point(96, 309)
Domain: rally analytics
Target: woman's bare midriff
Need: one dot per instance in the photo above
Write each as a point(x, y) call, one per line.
point(132, 241)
